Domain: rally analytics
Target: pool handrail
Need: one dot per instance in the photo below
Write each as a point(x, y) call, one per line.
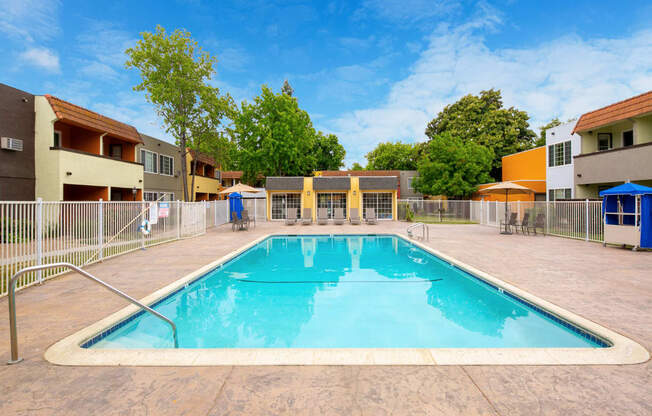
point(12, 303)
point(426, 231)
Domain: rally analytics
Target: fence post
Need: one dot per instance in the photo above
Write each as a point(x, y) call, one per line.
point(518, 208)
point(215, 213)
point(255, 210)
point(178, 219)
point(586, 203)
point(547, 218)
point(142, 234)
point(39, 238)
point(100, 229)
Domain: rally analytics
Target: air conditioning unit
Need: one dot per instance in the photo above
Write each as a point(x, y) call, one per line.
point(12, 144)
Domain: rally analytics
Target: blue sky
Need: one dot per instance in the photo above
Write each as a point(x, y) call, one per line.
point(367, 71)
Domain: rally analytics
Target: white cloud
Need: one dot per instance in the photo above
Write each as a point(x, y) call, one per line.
point(105, 42)
point(42, 58)
point(29, 20)
point(561, 78)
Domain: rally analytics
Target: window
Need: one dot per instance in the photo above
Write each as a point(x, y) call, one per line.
point(380, 201)
point(57, 138)
point(150, 196)
point(559, 154)
point(166, 165)
point(330, 201)
point(559, 194)
point(409, 183)
point(282, 202)
point(628, 138)
point(115, 151)
point(148, 159)
point(605, 141)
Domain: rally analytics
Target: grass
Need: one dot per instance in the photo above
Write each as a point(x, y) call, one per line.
point(444, 220)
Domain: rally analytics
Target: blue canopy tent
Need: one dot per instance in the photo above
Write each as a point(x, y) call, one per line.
point(235, 205)
point(627, 212)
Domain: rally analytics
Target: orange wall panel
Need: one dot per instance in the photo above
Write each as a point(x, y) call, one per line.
point(527, 165)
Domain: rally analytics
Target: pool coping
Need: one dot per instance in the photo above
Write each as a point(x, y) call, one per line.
point(68, 351)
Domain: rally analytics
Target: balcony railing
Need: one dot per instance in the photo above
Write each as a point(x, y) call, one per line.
point(614, 165)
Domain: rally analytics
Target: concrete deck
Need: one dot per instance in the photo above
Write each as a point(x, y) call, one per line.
point(610, 286)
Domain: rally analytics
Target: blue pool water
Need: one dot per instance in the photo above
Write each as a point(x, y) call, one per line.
point(343, 292)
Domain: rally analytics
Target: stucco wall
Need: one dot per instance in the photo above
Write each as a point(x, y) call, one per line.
point(156, 182)
point(48, 183)
point(561, 177)
point(17, 168)
point(527, 165)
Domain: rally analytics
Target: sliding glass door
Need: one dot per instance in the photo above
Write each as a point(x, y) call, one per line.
point(330, 201)
point(380, 201)
point(282, 202)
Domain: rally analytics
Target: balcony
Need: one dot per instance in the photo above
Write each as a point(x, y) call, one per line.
point(83, 168)
point(616, 165)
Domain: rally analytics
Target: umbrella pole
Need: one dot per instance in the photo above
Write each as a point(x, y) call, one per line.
point(507, 230)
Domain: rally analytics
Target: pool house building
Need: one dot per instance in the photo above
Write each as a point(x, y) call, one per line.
point(330, 192)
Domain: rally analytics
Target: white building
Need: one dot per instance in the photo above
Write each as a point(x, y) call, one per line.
point(561, 146)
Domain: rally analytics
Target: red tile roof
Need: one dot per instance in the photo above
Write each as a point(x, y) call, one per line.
point(361, 173)
point(231, 174)
point(82, 117)
point(631, 107)
point(202, 157)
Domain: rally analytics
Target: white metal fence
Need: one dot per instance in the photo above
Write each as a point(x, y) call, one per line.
point(37, 232)
point(573, 219)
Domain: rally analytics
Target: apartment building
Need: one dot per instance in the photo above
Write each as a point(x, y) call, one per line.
point(616, 146)
point(562, 145)
point(162, 169)
point(526, 168)
point(330, 192)
point(207, 183)
point(17, 176)
point(81, 155)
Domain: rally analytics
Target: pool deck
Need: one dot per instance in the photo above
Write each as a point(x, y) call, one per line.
point(609, 286)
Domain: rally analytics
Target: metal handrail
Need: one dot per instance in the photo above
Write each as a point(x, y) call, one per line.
point(12, 303)
point(426, 232)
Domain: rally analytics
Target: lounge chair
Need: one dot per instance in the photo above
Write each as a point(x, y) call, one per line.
point(306, 218)
point(245, 219)
point(322, 216)
point(539, 222)
point(339, 219)
point(371, 216)
point(506, 227)
point(291, 217)
point(354, 217)
point(236, 223)
point(525, 222)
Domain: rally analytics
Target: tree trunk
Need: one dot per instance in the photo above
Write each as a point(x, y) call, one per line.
point(193, 166)
point(184, 168)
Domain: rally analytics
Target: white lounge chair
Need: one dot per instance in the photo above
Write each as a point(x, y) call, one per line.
point(291, 217)
point(371, 216)
point(338, 218)
point(354, 217)
point(322, 216)
point(306, 218)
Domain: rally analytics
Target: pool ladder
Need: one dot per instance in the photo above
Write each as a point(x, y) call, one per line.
point(425, 232)
point(12, 303)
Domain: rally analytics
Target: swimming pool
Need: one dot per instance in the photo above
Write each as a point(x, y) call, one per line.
point(343, 291)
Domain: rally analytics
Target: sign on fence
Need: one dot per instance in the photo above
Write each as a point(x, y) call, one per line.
point(163, 210)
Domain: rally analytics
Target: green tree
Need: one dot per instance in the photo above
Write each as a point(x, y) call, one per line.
point(287, 88)
point(541, 141)
point(356, 166)
point(329, 153)
point(483, 120)
point(273, 137)
point(453, 167)
point(174, 73)
point(393, 156)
